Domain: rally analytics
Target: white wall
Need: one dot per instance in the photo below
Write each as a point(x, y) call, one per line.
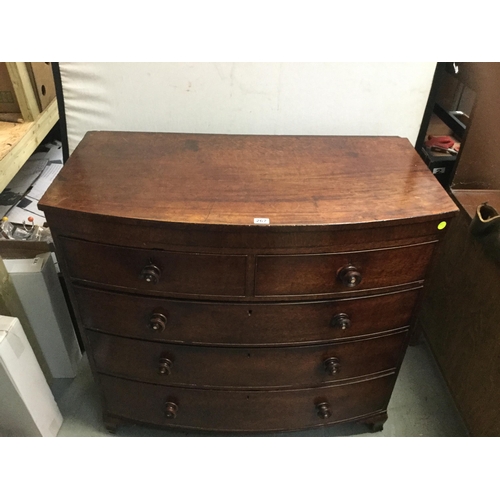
point(247, 98)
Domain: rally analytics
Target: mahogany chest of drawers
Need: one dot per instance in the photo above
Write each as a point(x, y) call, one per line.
point(245, 283)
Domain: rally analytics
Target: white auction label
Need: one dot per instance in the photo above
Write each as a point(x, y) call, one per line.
point(261, 221)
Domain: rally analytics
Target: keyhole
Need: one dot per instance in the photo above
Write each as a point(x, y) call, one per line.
point(249, 312)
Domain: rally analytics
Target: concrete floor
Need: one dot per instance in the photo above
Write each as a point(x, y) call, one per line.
point(420, 406)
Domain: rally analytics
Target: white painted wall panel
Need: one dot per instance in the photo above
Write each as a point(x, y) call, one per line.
point(246, 98)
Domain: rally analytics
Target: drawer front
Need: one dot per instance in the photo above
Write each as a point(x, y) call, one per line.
point(270, 239)
point(243, 410)
point(242, 324)
point(183, 273)
point(317, 274)
point(224, 367)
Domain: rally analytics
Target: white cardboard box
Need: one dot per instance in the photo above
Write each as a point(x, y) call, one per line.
point(27, 406)
point(37, 284)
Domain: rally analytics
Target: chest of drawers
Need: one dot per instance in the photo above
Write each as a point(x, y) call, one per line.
point(245, 283)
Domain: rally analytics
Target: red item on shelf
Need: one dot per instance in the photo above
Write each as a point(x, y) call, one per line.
point(442, 141)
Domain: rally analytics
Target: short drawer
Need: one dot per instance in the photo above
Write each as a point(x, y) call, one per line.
point(155, 270)
point(212, 323)
point(222, 367)
point(244, 410)
point(342, 272)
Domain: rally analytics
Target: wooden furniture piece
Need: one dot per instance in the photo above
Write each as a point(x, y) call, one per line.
point(459, 314)
point(245, 283)
point(24, 131)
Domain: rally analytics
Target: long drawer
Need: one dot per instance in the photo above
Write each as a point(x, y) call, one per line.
point(259, 367)
point(238, 324)
point(244, 410)
point(322, 273)
point(155, 270)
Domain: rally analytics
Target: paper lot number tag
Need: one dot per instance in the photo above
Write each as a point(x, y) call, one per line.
point(260, 220)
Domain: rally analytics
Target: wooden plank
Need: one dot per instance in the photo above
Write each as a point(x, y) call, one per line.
point(10, 134)
point(19, 140)
point(23, 88)
point(11, 117)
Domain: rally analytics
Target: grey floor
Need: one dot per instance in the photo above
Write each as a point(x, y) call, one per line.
point(420, 406)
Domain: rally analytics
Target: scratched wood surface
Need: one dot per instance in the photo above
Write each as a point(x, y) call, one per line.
point(231, 179)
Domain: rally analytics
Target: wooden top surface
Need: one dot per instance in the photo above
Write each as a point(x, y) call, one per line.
point(232, 179)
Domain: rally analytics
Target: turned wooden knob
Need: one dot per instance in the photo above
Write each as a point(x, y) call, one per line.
point(323, 409)
point(341, 320)
point(349, 276)
point(158, 322)
point(165, 365)
point(151, 274)
point(332, 365)
point(170, 409)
